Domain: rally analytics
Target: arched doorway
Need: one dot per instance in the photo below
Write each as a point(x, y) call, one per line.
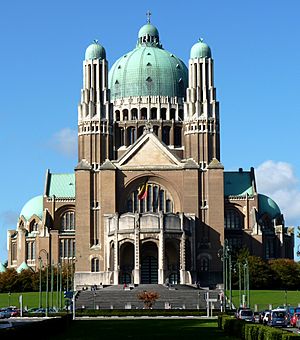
point(126, 262)
point(149, 260)
point(172, 260)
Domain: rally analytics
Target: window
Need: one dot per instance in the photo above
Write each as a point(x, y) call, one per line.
point(33, 226)
point(30, 250)
point(67, 248)
point(204, 264)
point(14, 251)
point(157, 199)
point(233, 220)
point(95, 265)
point(68, 221)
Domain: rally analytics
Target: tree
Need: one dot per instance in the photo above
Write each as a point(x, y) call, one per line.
point(149, 298)
point(286, 273)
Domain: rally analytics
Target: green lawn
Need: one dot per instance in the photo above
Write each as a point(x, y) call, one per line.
point(143, 329)
point(29, 299)
point(265, 297)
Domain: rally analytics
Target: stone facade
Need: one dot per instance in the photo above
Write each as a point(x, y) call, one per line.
point(150, 201)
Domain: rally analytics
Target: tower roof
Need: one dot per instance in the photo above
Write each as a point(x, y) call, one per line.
point(200, 50)
point(95, 51)
point(33, 207)
point(268, 206)
point(148, 70)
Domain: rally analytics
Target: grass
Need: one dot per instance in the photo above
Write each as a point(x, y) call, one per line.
point(143, 329)
point(30, 299)
point(263, 298)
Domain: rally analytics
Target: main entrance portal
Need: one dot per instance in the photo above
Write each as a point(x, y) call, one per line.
point(149, 268)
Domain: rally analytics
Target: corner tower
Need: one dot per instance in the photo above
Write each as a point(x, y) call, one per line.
point(201, 128)
point(94, 123)
point(94, 147)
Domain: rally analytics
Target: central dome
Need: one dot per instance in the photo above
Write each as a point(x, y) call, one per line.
point(148, 70)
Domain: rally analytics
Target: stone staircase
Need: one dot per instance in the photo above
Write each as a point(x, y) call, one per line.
point(116, 297)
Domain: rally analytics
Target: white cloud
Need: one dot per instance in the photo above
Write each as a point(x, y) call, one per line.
point(65, 142)
point(278, 180)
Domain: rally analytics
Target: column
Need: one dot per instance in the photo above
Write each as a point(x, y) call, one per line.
point(161, 251)
point(182, 260)
point(116, 257)
point(136, 273)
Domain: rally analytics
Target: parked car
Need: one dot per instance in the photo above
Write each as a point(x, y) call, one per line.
point(294, 319)
point(262, 315)
point(246, 315)
point(4, 314)
point(266, 317)
point(278, 318)
point(13, 311)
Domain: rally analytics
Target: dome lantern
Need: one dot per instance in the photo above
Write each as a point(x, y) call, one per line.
point(95, 51)
point(200, 50)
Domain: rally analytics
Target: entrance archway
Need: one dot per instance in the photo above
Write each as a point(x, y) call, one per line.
point(126, 262)
point(149, 260)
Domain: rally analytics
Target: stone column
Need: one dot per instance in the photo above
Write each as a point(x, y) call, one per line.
point(161, 251)
point(116, 257)
point(182, 259)
point(136, 273)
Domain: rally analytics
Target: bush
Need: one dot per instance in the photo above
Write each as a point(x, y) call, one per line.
point(250, 331)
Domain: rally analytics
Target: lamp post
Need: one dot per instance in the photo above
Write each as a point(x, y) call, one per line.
point(40, 283)
point(47, 277)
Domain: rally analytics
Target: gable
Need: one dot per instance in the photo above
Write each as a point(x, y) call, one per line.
point(149, 152)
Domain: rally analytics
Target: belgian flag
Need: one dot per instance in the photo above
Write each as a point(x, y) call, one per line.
point(143, 191)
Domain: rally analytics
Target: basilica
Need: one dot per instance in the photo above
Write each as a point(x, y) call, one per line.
point(149, 200)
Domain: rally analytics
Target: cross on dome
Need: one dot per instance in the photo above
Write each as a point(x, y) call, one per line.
point(148, 16)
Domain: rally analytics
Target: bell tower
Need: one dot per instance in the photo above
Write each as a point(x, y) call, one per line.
point(94, 147)
point(201, 132)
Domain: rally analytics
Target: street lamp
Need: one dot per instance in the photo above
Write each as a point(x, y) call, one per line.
point(40, 283)
point(47, 276)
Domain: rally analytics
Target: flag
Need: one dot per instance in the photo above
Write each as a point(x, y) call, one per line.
point(143, 191)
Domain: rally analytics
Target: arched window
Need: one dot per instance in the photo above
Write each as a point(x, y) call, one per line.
point(67, 222)
point(117, 115)
point(163, 113)
point(233, 220)
point(134, 114)
point(166, 135)
point(153, 113)
point(155, 199)
point(144, 113)
point(204, 264)
point(95, 265)
point(172, 114)
point(33, 226)
point(125, 114)
point(130, 135)
point(177, 137)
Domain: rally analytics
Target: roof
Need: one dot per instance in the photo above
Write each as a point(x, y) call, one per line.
point(95, 51)
point(200, 50)
point(22, 266)
point(267, 206)
point(61, 185)
point(148, 70)
point(33, 207)
point(238, 183)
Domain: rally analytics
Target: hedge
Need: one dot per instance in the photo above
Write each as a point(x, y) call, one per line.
point(251, 331)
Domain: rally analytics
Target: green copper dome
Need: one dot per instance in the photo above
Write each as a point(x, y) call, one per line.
point(148, 70)
point(95, 51)
point(148, 29)
point(200, 50)
point(33, 207)
point(267, 206)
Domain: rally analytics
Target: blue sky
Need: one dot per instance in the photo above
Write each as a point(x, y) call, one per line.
point(255, 45)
